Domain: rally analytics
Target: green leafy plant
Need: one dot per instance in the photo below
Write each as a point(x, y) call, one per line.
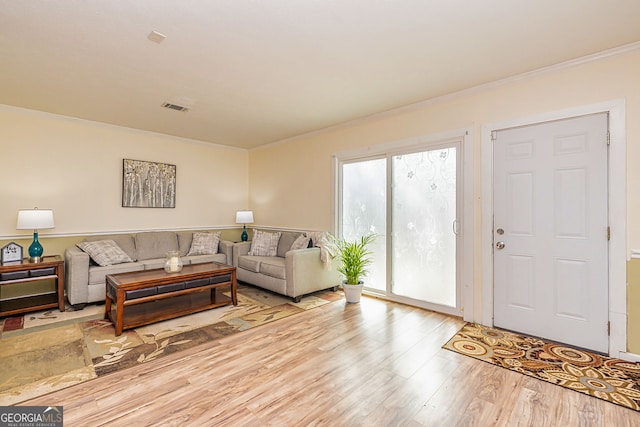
point(354, 258)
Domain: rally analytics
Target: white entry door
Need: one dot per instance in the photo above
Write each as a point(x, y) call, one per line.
point(550, 231)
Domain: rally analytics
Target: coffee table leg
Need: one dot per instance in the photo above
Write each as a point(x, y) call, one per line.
point(119, 312)
point(107, 307)
point(234, 288)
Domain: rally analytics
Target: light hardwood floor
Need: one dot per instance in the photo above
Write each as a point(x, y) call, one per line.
point(369, 364)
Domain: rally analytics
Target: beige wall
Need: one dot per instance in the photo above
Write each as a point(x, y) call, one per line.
point(75, 168)
point(633, 305)
point(291, 183)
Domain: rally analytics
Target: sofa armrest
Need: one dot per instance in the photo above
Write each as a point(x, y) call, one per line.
point(239, 249)
point(226, 247)
point(76, 264)
point(306, 273)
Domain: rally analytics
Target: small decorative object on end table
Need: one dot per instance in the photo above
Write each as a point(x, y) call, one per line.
point(49, 267)
point(11, 254)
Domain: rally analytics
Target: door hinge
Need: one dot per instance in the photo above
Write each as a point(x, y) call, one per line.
point(609, 328)
point(494, 135)
point(608, 233)
point(608, 138)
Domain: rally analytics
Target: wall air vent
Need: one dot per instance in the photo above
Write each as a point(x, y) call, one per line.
point(175, 107)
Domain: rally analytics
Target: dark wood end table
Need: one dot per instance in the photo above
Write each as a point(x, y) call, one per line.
point(51, 267)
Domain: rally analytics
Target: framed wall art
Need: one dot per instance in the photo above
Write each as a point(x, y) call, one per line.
point(148, 184)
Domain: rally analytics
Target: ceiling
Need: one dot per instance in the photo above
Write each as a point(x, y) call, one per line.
point(254, 72)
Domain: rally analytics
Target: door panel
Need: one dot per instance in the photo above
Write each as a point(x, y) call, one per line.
point(550, 198)
point(520, 271)
point(363, 211)
point(423, 215)
point(571, 214)
point(520, 188)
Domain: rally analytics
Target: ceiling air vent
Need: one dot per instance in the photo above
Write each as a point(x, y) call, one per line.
point(175, 107)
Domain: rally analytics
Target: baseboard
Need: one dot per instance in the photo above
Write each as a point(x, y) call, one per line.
point(631, 357)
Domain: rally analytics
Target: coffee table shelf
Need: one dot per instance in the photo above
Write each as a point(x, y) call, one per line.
point(169, 308)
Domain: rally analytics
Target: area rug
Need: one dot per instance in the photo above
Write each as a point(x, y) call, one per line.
point(614, 380)
point(48, 351)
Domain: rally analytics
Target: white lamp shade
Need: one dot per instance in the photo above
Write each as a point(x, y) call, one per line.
point(244, 217)
point(34, 219)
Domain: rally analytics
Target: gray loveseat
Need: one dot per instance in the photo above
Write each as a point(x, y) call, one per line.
point(293, 273)
point(85, 280)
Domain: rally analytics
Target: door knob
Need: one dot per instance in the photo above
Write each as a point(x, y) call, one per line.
point(500, 245)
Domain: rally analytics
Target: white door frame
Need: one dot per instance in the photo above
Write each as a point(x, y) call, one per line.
point(617, 193)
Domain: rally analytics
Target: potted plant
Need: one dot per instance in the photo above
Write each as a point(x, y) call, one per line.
point(354, 258)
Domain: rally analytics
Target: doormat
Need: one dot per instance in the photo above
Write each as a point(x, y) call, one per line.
point(49, 351)
point(614, 380)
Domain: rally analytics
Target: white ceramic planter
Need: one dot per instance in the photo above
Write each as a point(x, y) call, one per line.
point(352, 292)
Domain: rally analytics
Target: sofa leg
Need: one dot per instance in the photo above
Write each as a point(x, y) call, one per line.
point(78, 307)
point(335, 289)
point(297, 299)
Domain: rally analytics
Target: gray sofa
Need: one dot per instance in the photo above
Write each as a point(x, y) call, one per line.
point(293, 273)
point(85, 280)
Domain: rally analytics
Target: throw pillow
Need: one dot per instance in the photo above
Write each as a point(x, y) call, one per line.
point(302, 242)
point(104, 252)
point(285, 242)
point(264, 244)
point(204, 244)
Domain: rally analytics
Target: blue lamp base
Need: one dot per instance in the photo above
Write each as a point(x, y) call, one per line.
point(35, 249)
point(244, 236)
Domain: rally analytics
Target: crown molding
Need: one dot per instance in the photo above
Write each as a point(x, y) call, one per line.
point(599, 56)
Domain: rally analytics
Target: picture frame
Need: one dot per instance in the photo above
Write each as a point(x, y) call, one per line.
point(11, 253)
point(148, 184)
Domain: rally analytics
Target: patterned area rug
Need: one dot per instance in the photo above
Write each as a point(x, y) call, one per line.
point(48, 351)
point(613, 380)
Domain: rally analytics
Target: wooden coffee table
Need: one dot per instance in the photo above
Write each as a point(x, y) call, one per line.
point(143, 297)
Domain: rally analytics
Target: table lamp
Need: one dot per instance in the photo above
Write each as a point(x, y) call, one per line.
point(35, 219)
point(244, 217)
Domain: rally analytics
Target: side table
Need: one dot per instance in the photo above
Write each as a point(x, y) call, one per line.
point(51, 267)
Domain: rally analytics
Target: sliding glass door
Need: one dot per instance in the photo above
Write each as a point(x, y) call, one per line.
point(423, 218)
point(364, 199)
point(409, 199)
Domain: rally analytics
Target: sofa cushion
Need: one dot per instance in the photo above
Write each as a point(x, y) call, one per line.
point(273, 267)
point(264, 243)
point(302, 242)
point(249, 263)
point(105, 252)
point(124, 241)
point(184, 242)
point(285, 242)
point(150, 264)
point(204, 244)
point(199, 259)
point(155, 244)
point(97, 274)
